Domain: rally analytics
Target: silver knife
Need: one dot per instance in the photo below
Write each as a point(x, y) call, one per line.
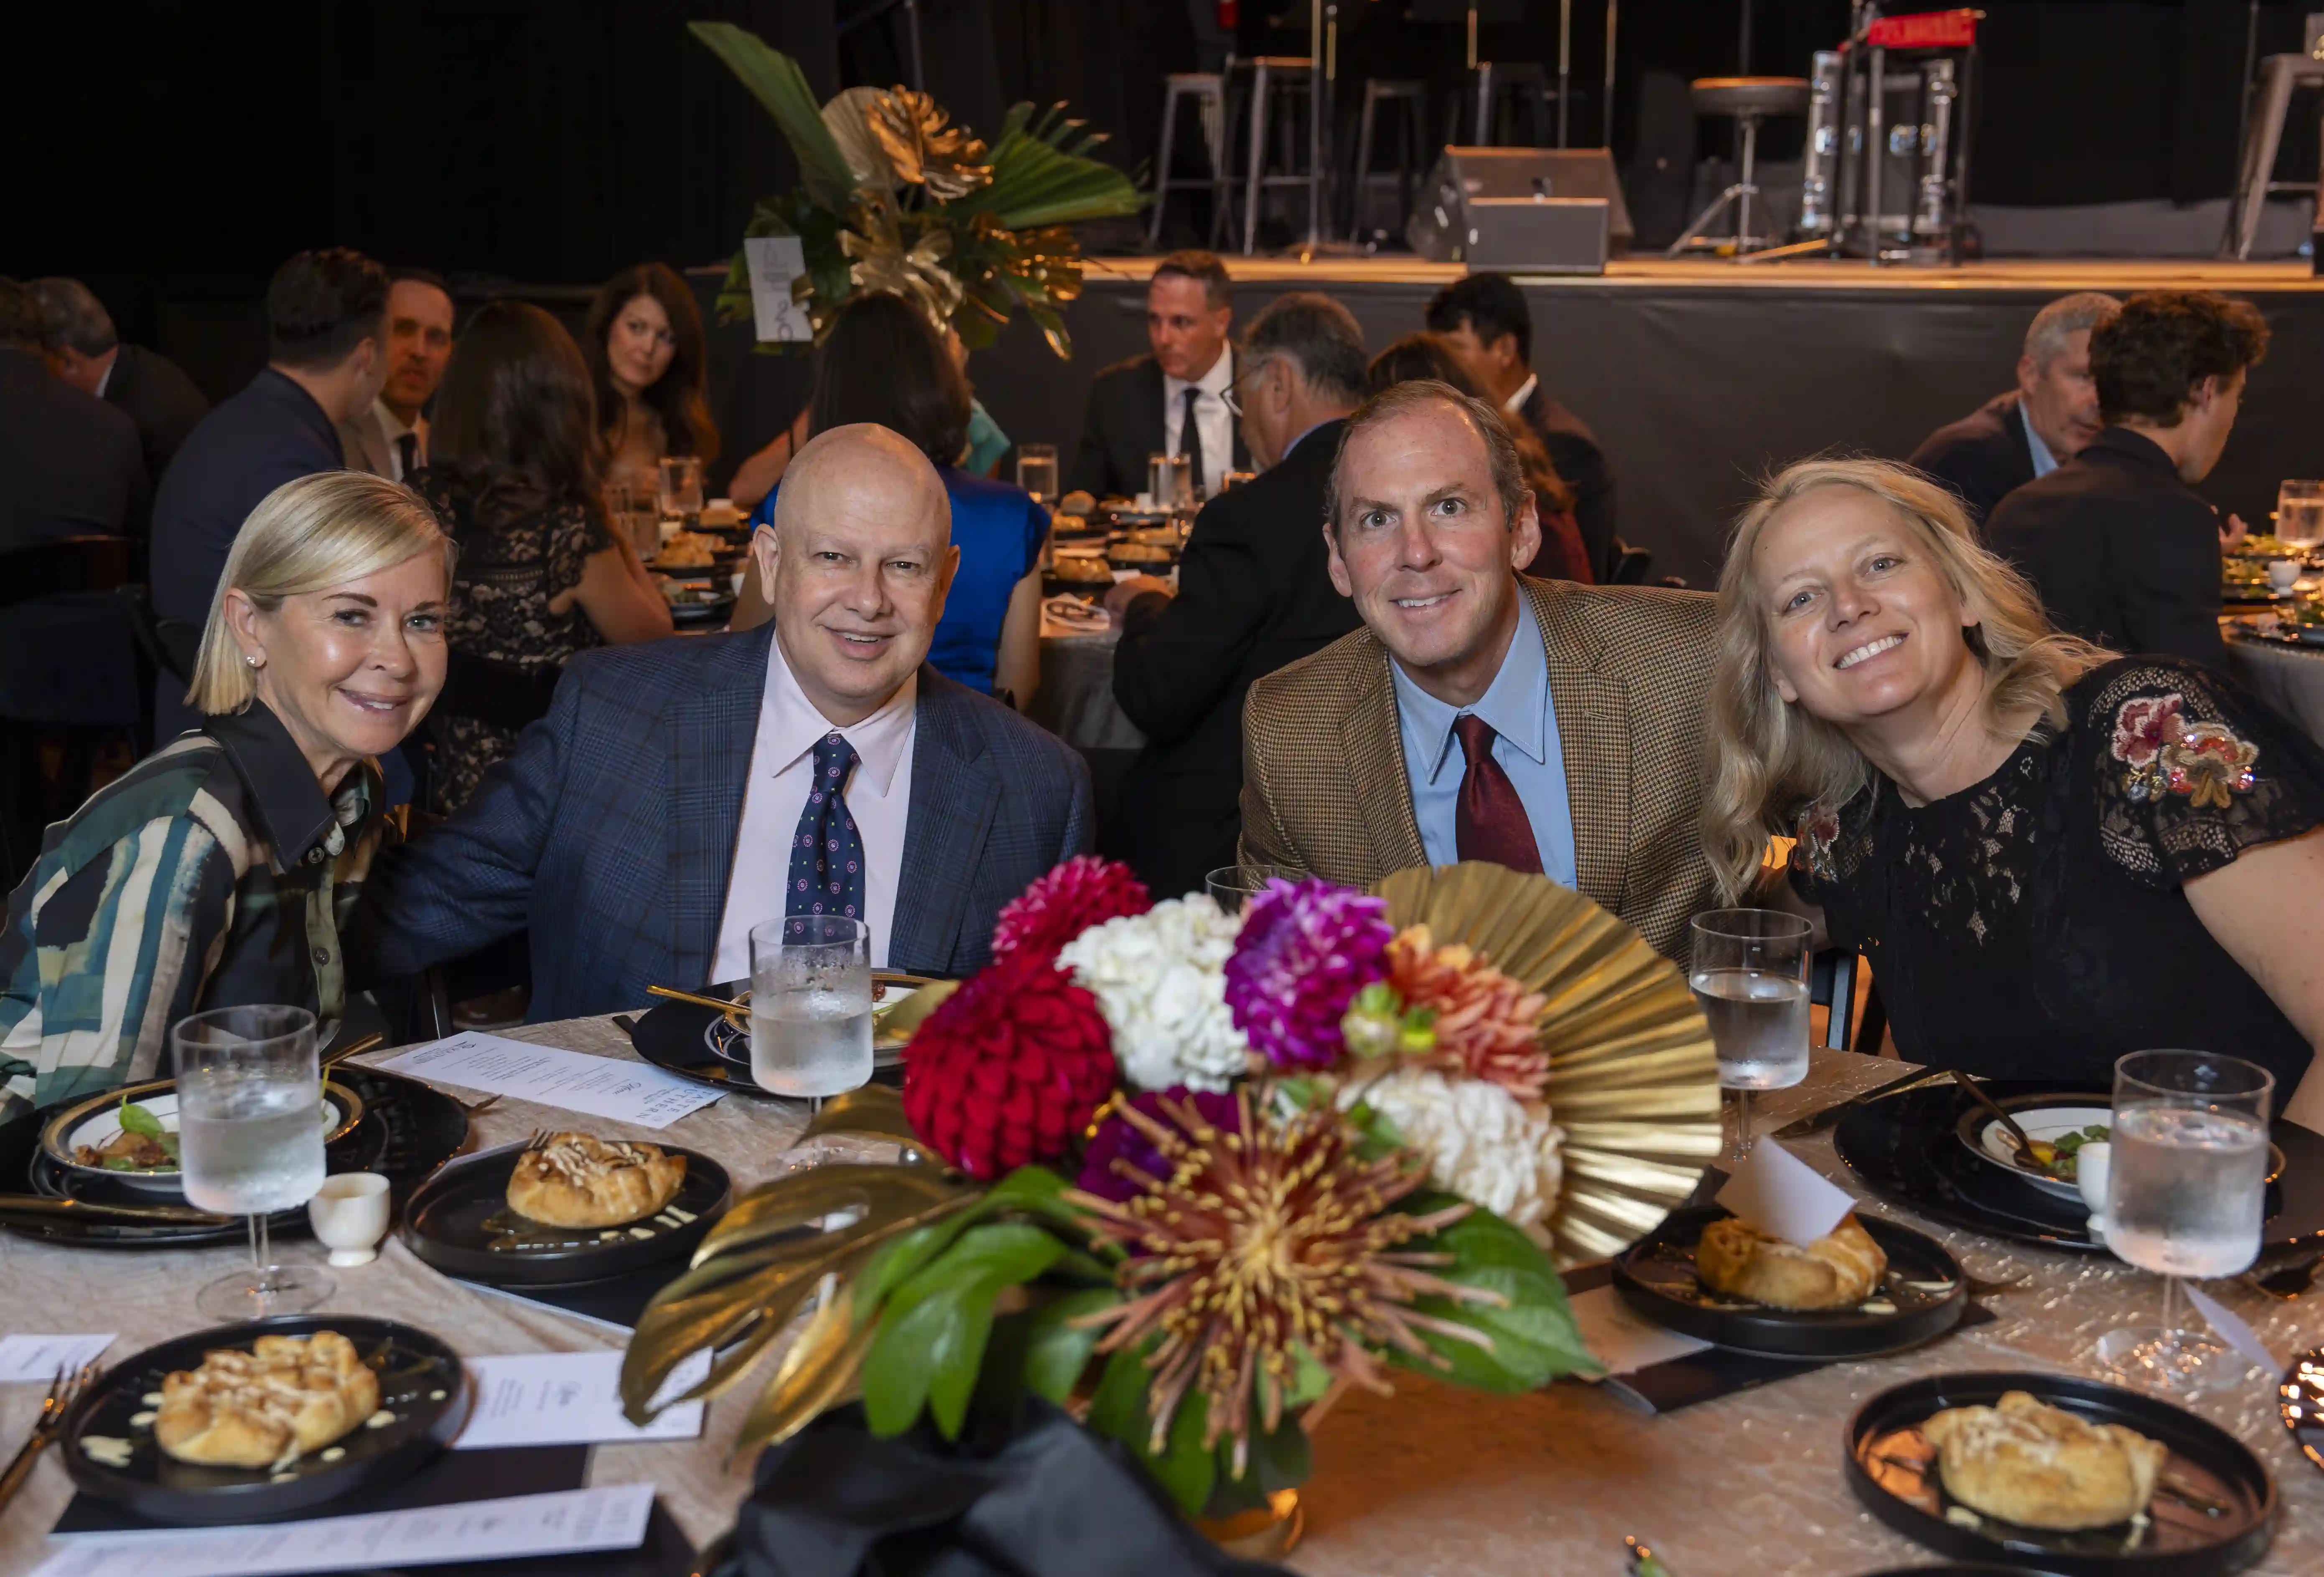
point(1824, 1118)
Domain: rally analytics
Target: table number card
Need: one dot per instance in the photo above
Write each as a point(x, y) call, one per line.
point(774, 261)
point(602, 1086)
point(1782, 1195)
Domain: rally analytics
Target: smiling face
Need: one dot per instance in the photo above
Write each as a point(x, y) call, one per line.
point(353, 669)
point(1862, 621)
point(641, 344)
point(855, 567)
point(419, 344)
point(1187, 332)
point(1423, 547)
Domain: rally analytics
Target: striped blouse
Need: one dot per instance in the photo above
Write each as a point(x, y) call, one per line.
point(215, 873)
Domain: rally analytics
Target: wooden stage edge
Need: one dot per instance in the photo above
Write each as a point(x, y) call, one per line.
point(2055, 275)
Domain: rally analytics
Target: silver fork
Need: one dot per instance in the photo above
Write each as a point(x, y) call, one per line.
point(539, 1140)
point(64, 1391)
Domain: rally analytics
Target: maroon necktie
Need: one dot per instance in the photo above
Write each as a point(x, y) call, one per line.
point(1489, 819)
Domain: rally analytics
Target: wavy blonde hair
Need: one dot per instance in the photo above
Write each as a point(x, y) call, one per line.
point(307, 535)
point(1768, 758)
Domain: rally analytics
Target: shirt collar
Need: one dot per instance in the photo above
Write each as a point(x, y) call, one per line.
point(2044, 462)
point(789, 726)
point(2136, 445)
point(1302, 438)
point(105, 378)
point(1515, 706)
point(392, 425)
point(296, 815)
point(1516, 401)
point(1214, 381)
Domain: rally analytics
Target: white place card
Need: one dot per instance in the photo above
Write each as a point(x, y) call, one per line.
point(29, 1358)
point(1782, 1195)
point(571, 1523)
point(774, 261)
point(2233, 1329)
point(570, 1399)
point(626, 1091)
point(1622, 1339)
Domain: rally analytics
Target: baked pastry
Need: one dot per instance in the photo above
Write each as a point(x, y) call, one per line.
point(1833, 1272)
point(286, 1397)
point(1081, 569)
point(2039, 1466)
point(1077, 502)
point(1137, 553)
point(577, 1180)
point(688, 550)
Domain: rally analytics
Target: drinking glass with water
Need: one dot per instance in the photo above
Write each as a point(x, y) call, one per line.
point(249, 1138)
point(679, 485)
point(1234, 886)
point(811, 1005)
point(1036, 471)
point(2186, 1193)
point(2300, 513)
point(1750, 979)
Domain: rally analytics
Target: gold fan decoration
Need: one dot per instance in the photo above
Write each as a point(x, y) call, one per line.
point(1633, 1079)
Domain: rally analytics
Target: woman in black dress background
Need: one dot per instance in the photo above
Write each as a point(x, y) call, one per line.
point(2051, 855)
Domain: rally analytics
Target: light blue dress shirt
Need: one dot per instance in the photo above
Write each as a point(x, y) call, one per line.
point(1520, 710)
point(2044, 462)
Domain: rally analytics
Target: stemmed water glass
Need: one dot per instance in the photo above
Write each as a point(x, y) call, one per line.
point(1750, 978)
point(1233, 886)
point(2186, 1193)
point(249, 1138)
point(811, 1005)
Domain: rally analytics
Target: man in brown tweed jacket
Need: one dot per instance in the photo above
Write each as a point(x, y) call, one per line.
point(1429, 735)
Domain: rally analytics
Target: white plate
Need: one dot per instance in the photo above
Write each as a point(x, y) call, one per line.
point(2049, 1123)
point(100, 1128)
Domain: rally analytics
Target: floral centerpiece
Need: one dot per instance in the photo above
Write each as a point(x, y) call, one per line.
point(893, 197)
point(1204, 1174)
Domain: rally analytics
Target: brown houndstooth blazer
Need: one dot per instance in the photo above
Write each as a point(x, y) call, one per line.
point(1323, 786)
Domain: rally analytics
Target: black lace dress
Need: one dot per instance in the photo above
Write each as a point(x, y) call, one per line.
point(2033, 926)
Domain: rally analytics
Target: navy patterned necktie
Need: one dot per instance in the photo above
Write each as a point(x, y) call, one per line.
point(827, 874)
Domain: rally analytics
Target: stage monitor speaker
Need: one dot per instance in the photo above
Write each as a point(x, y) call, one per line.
point(1522, 208)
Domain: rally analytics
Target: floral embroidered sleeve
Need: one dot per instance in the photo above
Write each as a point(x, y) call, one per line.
point(2192, 771)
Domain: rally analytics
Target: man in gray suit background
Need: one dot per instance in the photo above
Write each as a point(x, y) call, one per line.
point(389, 439)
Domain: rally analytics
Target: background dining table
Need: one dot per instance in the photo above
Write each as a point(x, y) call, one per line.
point(2289, 679)
point(1434, 1480)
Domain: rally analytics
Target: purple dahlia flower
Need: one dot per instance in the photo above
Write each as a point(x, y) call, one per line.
point(1116, 1139)
point(1307, 948)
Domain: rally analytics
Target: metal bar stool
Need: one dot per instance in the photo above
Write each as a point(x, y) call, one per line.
point(1408, 96)
point(1208, 89)
point(2280, 77)
point(1257, 81)
point(1748, 101)
point(1492, 87)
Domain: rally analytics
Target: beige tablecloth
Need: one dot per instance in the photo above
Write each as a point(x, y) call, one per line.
point(1435, 1481)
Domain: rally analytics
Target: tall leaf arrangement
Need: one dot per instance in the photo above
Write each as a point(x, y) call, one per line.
point(1240, 1244)
point(892, 197)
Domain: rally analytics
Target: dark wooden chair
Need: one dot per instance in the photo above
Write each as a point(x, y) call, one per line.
point(1831, 984)
point(61, 566)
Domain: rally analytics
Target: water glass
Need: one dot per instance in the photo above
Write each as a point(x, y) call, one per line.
point(1232, 480)
point(637, 512)
point(680, 489)
point(250, 1133)
point(2186, 1193)
point(1233, 886)
point(1170, 481)
point(1037, 470)
point(811, 1005)
point(1749, 975)
point(2300, 513)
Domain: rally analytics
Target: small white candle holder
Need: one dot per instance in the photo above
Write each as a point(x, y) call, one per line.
point(349, 1215)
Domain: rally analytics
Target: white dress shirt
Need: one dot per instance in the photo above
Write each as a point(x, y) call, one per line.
point(391, 430)
point(879, 795)
point(1516, 401)
point(1213, 419)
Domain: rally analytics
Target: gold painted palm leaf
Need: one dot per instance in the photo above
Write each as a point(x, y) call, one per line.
point(1632, 1076)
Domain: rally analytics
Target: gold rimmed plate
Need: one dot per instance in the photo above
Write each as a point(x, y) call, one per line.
point(97, 1121)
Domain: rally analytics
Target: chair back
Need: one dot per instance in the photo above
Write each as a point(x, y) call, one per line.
point(63, 565)
point(497, 693)
point(1630, 565)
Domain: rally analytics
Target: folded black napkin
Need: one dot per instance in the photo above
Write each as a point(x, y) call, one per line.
point(1051, 1501)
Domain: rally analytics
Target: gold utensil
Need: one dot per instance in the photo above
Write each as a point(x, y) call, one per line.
point(125, 1214)
point(65, 1389)
point(1830, 1115)
point(718, 1004)
point(2016, 1134)
point(355, 1047)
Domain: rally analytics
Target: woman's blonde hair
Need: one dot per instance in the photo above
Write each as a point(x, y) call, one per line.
point(307, 535)
point(1768, 758)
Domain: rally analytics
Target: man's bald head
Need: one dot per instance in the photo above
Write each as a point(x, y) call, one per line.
point(867, 466)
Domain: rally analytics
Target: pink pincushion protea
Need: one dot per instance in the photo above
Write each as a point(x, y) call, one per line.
point(1307, 948)
point(1082, 892)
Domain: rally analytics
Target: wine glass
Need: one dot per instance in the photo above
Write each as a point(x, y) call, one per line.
point(1749, 975)
point(1234, 886)
point(2186, 1192)
point(249, 1138)
point(811, 1005)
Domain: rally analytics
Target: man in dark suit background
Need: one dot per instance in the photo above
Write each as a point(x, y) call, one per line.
point(152, 391)
point(1254, 593)
point(1139, 408)
point(2123, 550)
point(1490, 327)
point(2037, 427)
point(681, 792)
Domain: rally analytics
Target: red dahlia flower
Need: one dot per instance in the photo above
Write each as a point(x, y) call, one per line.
point(1082, 892)
point(1009, 1069)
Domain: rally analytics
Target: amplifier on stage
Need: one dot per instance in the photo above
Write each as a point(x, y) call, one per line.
point(1535, 210)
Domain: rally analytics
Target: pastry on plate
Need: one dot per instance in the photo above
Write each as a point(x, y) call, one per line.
point(577, 1180)
point(688, 550)
point(1081, 569)
point(2039, 1466)
point(1836, 1271)
point(287, 1398)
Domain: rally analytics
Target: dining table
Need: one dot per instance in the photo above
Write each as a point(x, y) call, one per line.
point(2289, 679)
point(1433, 1479)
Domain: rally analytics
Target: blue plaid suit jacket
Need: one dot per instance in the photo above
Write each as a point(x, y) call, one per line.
point(611, 830)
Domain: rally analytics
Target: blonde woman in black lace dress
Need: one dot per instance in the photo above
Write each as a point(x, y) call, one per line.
point(514, 476)
point(2051, 855)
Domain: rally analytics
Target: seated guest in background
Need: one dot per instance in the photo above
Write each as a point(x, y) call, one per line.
point(2037, 427)
point(1139, 408)
point(885, 363)
point(218, 870)
point(1479, 715)
point(70, 464)
point(658, 811)
point(1562, 556)
point(1485, 319)
point(152, 391)
point(2052, 855)
point(650, 364)
point(390, 439)
point(2118, 545)
point(1253, 595)
point(514, 482)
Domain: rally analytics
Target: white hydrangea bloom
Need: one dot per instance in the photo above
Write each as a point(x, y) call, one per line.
point(1160, 980)
point(1482, 1143)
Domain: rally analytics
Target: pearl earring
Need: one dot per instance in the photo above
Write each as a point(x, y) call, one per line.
point(253, 661)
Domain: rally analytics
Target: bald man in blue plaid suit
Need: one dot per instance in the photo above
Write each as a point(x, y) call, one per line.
point(674, 796)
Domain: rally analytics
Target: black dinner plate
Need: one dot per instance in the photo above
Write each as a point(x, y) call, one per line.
point(1921, 1297)
point(2301, 1402)
point(421, 1387)
point(460, 1222)
point(1961, 1569)
point(713, 611)
point(2213, 1513)
point(693, 1042)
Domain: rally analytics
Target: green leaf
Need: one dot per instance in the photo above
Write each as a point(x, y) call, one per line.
point(776, 81)
point(1055, 1350)
point(1533, 1332)
point(135, 1119)
point(169, 1143)
point(119, 1164)
point(1185, 1468)
point(1280, 1460)
point(932, 1337)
